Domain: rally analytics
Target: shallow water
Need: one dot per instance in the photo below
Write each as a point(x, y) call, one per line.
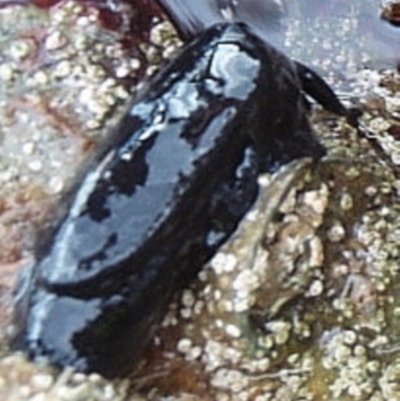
point(346, 37)
point(332, 35)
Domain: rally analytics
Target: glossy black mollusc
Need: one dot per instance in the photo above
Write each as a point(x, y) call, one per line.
point(156, 203)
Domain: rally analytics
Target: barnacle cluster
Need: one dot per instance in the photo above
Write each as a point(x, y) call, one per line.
point(297, 305)
point(301, 304)
point(62, 75)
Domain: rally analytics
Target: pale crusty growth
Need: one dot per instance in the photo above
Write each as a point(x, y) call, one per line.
point(62, 75)
point(301, 304)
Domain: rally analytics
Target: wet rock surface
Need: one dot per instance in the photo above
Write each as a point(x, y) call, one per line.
point(300, 304)
point(62, 76)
